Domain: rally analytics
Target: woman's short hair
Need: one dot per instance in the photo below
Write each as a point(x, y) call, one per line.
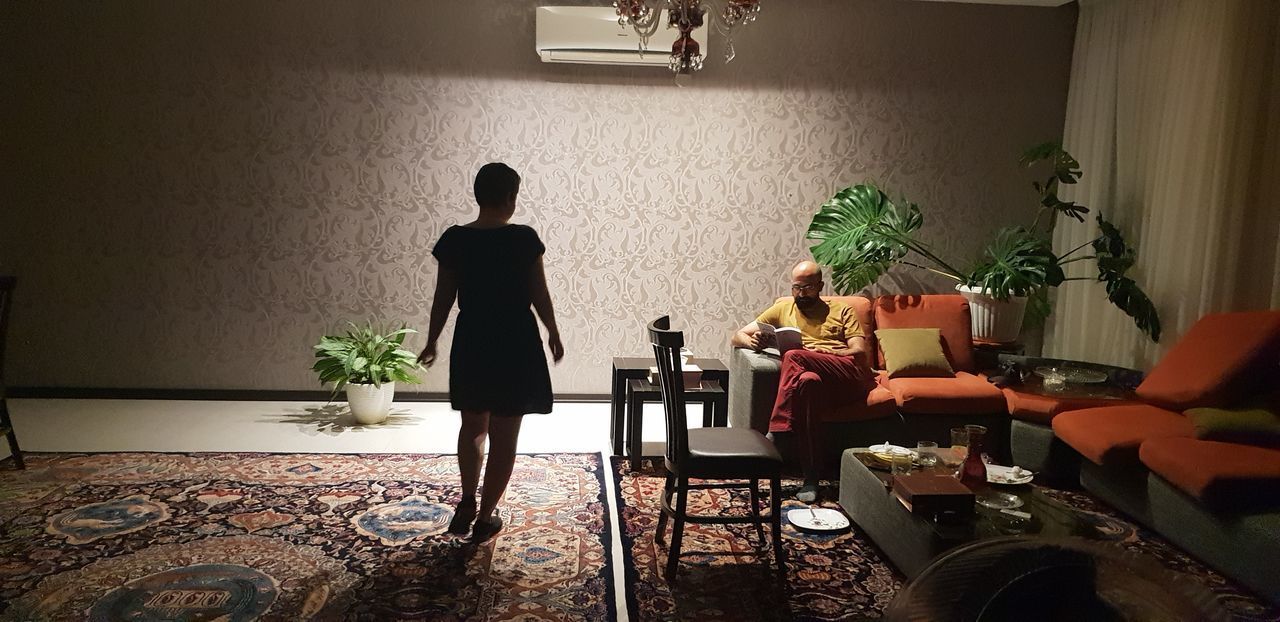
point(495, 182)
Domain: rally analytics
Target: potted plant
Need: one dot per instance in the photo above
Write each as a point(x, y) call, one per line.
point(860, 234)
point(367, 363)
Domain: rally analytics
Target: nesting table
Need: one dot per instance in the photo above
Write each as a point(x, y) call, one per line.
point(632, 390)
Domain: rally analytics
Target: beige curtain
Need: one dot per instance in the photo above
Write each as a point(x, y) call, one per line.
point(1174, 115)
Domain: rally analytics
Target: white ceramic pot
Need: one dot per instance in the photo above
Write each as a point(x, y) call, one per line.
point(998, 321)
point(370, 404)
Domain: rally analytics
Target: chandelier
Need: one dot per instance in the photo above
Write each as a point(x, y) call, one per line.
point(686, 15)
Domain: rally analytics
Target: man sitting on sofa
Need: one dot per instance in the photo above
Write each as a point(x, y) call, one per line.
point(832, 367)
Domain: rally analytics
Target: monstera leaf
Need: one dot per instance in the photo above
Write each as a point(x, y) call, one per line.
point(1066, 170)
point(1115, 257)
point(861, 234)
point(1016, 263)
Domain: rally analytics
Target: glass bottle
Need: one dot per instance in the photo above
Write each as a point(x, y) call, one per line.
point(973, 471)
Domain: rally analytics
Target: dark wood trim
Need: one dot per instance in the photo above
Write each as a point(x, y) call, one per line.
point(235, 395)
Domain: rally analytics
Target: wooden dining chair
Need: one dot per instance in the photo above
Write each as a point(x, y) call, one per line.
point(6, 426)
point(718, 457)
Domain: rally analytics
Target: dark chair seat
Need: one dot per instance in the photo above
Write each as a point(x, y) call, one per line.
point(727, 453)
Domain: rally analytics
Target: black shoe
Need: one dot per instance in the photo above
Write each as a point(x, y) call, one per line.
point(462, 517)
point(485, 529)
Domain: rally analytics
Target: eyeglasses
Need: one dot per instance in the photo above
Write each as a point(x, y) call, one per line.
point(810, 288)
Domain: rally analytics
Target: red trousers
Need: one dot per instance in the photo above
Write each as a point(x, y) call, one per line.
point(813, 383)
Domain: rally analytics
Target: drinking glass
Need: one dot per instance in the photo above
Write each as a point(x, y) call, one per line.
point(928, 452)
point(959, 447)
point(901, 461)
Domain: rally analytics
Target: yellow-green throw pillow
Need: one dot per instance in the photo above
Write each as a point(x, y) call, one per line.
point(1251, 426)
point(913, 353)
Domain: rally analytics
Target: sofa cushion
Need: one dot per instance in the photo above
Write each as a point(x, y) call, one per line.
point(1249, 426)
point(1222, 475)
point(1042, 408)
point(913, 353)
point(947, 312)
point(1210, 365)
point(1110, 434)
point(962, 394)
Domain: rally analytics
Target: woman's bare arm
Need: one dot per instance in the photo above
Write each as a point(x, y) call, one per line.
point(441, 305)
point(542, 304)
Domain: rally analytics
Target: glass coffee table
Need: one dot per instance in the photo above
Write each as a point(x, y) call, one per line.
point(910, 541)
point(1081, 381)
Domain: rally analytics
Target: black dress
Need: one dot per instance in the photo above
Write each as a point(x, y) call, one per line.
point(496, 363)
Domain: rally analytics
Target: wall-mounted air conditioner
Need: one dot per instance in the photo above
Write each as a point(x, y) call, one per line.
point(591, 35)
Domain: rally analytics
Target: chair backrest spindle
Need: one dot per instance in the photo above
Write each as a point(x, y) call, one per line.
point(666, 351)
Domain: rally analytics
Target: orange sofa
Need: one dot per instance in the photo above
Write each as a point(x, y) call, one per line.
point(1218, 500)
point(899, 410)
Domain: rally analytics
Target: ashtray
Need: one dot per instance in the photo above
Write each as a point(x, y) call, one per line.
point(999, 500)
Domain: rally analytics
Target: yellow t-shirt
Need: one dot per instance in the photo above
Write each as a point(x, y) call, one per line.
point(829, 324)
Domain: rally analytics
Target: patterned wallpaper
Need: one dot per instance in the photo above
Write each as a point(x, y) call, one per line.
point(200, 190)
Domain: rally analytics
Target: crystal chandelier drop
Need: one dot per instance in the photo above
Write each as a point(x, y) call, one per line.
point(686, 15)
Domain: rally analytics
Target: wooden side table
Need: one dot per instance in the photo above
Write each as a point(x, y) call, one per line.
point(627, 368)
point(714, 400)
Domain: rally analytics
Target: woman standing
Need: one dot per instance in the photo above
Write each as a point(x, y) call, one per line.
point(497, 371)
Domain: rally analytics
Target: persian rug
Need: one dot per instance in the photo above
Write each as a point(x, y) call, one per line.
point(203, 536)
point(828, 577)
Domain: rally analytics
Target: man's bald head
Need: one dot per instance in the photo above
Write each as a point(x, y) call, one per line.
point(806, 270)
point(806, 283)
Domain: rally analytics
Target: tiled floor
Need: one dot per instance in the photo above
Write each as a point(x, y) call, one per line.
point(414, 427)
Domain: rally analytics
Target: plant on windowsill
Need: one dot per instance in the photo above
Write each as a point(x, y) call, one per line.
point(366, 362)
point(860, 234)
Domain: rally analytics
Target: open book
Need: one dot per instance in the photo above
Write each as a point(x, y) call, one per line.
point(779, 340)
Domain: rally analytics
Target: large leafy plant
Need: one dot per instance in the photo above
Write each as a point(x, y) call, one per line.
point(365, 355)
point(860, 233)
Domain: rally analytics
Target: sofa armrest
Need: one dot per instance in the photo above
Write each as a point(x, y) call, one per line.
point(753, 388)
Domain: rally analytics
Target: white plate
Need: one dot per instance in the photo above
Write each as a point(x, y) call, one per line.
point(997, 474)
point(886, 448)
point(818, 519)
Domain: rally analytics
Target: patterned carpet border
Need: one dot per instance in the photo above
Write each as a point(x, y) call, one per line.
point(840, 577)
point(273, 536)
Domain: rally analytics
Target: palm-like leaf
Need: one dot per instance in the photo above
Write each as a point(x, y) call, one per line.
point(1016, 263)
point(1115, 257)
point(1066, 170)
point(861, 234)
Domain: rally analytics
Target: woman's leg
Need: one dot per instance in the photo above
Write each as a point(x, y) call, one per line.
point(503, 434)
point(471, 439)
